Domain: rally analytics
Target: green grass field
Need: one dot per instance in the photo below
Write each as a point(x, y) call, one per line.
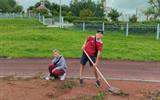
point(28, 38)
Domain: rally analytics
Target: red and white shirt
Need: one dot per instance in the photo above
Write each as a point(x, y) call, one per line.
point(90, 45)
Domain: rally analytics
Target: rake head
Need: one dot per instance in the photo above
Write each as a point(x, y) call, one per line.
point(114, 90)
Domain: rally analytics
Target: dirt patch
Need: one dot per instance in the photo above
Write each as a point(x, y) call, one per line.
point(38, 89)
point(152, 95)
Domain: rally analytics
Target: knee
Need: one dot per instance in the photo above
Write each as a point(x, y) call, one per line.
point(55, 72)
point(50, 65)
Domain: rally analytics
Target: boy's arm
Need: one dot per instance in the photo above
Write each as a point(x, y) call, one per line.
point(83, 46)
point(99, 53)
point(98, 57)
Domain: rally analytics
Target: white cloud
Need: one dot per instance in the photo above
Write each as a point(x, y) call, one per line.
point(128, 6)
point(27, 3)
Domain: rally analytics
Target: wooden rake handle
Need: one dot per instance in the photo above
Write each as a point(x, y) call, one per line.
point(97, 69)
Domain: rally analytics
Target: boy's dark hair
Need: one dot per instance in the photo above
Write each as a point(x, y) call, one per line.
point(100, 31)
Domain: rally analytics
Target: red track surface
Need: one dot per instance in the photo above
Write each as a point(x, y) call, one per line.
point(111, 69)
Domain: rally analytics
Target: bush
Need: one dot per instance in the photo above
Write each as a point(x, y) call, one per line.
point(84, 19)
point(69, 85)
point(99, 96)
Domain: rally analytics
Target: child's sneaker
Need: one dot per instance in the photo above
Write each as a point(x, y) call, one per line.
point(49, 77)
point(63, 77)
point(81, 82)
point(98, 83)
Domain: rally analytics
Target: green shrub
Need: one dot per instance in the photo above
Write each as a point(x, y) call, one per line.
point(69, 84)
point(99, 96)
point(84, 19)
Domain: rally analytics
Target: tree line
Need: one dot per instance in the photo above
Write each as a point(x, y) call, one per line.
point(83, 8)
point(80, 8)
point(88, 8)
point(10, 6)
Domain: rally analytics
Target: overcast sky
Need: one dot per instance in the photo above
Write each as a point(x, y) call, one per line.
point(124, 6)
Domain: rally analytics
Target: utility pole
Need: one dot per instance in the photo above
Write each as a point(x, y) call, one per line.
point(60, 14)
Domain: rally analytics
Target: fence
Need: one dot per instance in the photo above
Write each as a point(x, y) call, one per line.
point(127, 29)
point(18, 15)
point(52, 22)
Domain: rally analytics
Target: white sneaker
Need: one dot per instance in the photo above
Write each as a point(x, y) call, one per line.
point(63, 77)
point(47, 78)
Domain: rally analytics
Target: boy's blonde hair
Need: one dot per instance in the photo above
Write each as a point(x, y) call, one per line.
point(56, 50)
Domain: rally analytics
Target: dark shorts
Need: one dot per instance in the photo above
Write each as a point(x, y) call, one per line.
point(84, 59)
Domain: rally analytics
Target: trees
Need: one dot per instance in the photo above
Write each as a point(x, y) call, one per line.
point(18, 9)
point(113, 15)
point(148, 13)
point(47, 4)
point(133, 19)
point(55, 9)
point(52, 7)
point(12, 3)
point(83, 8)
point(4, 6)
point(86, 13)
point(154, 10)
point(10, 6)
point(65, 10)
point(42, 11)
point(78, 7)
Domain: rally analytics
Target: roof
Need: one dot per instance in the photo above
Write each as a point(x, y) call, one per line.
point(42, 7)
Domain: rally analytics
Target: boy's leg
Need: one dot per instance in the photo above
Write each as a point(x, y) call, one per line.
point(81, 70)
point(83, 62)
point(94, 70)
point(81, 74)
point(96, 75)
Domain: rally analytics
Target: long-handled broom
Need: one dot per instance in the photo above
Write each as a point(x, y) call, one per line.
point(111, 89)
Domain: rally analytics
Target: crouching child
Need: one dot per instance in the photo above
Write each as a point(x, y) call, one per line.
point(58, 68)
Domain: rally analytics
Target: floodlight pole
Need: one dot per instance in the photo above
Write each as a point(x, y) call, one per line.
point(60, 14)
point(158, 31)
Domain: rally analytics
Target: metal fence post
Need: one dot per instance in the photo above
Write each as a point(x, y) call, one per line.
point(43, 20)
point(13, 15)
point(158, 31)
point(62, 20)
point(29, 15)
point(103, 26)
point(127, 30)
point(83, 26)
point(39, 17)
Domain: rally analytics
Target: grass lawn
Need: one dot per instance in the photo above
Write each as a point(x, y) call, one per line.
point(28, 38)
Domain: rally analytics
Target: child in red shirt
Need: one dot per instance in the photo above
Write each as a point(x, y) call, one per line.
point(93, 46)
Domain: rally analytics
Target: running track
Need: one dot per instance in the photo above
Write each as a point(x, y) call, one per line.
point(119, 70)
